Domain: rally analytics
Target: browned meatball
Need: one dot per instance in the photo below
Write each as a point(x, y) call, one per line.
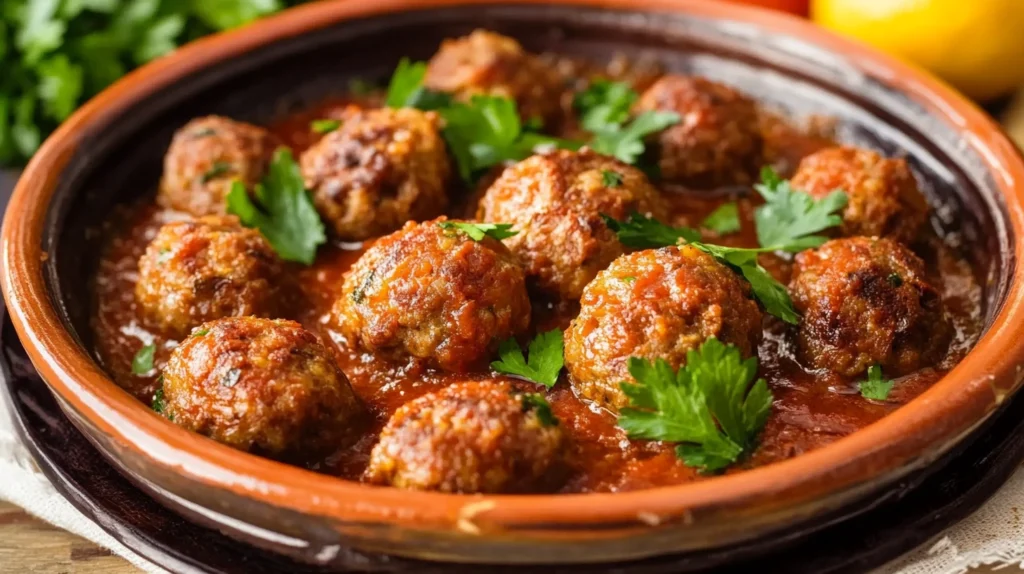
point(378, 170)
point(264, 386)
point(883, 199)
point(434, 293)
point(206, 156)
point(655, 304)
point(718, 139)
point(866, 301)
point(204, 269)
point(495, 65)
point(555, 201)
point(477, 436)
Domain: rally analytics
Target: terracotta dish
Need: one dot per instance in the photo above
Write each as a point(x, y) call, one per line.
point(89, 264)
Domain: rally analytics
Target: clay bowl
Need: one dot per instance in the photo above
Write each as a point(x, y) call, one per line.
point(110, 152)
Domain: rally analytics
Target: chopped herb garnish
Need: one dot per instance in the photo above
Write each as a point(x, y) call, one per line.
point(158, 401)
point(770, 293)
point(712, 406)
point(200, 332)
point(643, 232)
point(360, 292)
point(610, 178)
point(324, 126)
point(604, 105)
point(629, 279)
point(281, 209)
point(876, 387)
point(203, 132)
point(477, 231)
point(723, 220)
point(545, 361)
point(406, 88)
point(218, 169)
point(142, 363)
point(789, 219)
point(627, 142)
point(895, 280)
point(487, 131)
point(537, 403)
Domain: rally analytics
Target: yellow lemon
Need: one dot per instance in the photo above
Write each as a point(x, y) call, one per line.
point(976, 45)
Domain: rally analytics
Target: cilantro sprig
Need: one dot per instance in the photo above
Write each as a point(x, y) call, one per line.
point(57, 54)
point(790, 219)
point(712, 406)
point(406, 90)
point(604, 111)
point(545, 361)
point(142, 362)
point(725, 219)
point(282, 209)
point(477, 231)
point(876, 387)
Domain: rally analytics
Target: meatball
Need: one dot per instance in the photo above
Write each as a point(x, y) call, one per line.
point(430, 291)
point(555, 201)
point(204, 269)
point(718, 139)
point(866, 301)
point(654, 304)
point(206, 156)
point(470, 437)
point(883, 198)
point(496, 65)
point(264, 386)
point(379, 169)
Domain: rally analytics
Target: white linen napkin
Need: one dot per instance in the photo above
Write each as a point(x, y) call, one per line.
point(993, 535)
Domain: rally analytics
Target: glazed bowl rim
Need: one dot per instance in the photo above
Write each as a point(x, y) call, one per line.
point(931, 423)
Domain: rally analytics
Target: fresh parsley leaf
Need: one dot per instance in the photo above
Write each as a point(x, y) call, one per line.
point(60, 86)
point(406, 88)
point(604, 105)
point(537, 403)
point(487, 131)
point(723, 220)
point(158, 401)
point(610, 178)
point(789, 218)
point(281, 209)
point(142, 363)
point(216, 170)
point(477, 231)
point(200, 333)
point(772, 295)
point(876, 387)
point(642, 232)
point(627, 142)
point(712, 406)
point(325, 126)
point(545, 361)
point(226, 14)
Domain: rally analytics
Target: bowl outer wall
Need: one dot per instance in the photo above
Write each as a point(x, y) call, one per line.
point(909, 438)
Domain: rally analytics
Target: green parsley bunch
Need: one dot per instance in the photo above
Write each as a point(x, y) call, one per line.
point(55, 54)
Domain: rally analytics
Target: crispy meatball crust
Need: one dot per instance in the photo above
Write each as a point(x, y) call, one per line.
point(883, 198)
point(379, 169)
point(491, 64)
point(555, 201)
point(658, 303)
point(264, 386)
point(206, 156)
point(718, 140)
point(470, 437)
point(434, 294)
point(204, 269)
point(866, 301)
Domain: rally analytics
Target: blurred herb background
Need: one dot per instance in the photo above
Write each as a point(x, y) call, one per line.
point(55, 54)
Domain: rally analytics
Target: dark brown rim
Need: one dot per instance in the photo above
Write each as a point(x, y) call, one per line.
point(913, 435)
